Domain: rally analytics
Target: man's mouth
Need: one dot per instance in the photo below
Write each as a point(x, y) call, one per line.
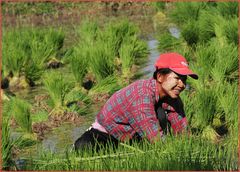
point(177, 92)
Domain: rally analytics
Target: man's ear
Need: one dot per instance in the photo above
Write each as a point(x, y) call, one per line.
point(160, 78)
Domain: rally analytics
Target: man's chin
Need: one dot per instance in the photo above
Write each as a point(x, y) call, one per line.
point(174, 96)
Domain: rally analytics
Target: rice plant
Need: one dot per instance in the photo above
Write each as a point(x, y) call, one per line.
point(26, 51)
point(130, 50)
point(226, 64)
point(101, 60)
point(78, 101)
point(7, 146)
point(186, 11)
point(79, 63)
point(230, 30)
point(57, 87)
point(21, 113)
point(207, 21)
point(16, 51)
point(108, 85)
point(190, 32)
point(46, 43)
point(167, 42)
point(88, 32)
point(228, 9)
point(181, 153)
point(227, 101)
point(115, 33)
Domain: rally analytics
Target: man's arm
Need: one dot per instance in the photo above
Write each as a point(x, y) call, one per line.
point(176, 115)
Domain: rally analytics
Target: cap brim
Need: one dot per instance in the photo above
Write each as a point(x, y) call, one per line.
point(185, 71)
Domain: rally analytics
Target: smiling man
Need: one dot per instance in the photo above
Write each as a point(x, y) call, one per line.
point(144, 108)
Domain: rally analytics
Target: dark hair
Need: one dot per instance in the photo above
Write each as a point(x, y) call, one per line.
point(163, 71)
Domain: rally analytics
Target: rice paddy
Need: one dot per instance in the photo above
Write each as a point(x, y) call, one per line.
point(80, 62)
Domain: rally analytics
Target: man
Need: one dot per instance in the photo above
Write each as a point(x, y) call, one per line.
point(133, 112)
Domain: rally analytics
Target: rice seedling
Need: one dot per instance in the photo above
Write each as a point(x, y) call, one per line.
point(167, 42)
point(114, 33)
point(227, 101)
point(190, 32)
point(186, 11)
point(101, 62)
point(181, 153)
point(57, 87)
point(130, 50)
point(207, 20)
point(78, 101)
point(26, 51)
point(108, 85)
point(79, 63)
point(16, 51)
point(88, 32)
point(230, 30)
point(228, 9)
point(226, 63)
point(21, 112)
point(45, 44)
point(7, 146)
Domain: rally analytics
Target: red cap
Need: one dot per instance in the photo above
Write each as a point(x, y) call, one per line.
point(176, 63)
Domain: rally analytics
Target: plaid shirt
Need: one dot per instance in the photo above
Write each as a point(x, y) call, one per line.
point(132, 110)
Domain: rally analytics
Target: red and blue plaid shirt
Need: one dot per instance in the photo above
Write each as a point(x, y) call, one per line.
point(131, 110)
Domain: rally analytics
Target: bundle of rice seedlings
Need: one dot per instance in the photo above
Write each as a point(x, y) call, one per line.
point(167, 42)
point(88, 32)
point(230, 29)
point(228, 9)
point(115, 33)
point(226, 63)
point(190, 32)
point(207, 21)
point(108, 85)
point(16, 51)
point(101, 62)
point(57, 87)
point(21, 113)
point(7, 146)
point(79, 63)
point(185, 11)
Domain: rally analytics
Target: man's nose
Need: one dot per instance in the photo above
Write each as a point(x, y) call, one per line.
point(181, 84)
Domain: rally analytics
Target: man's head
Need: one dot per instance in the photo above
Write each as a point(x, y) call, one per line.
point(171, 74)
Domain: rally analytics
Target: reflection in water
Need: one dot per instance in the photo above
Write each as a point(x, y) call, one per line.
point(149, 68)
point(174, 32)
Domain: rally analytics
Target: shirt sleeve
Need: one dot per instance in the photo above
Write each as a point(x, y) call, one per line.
point(143, 118)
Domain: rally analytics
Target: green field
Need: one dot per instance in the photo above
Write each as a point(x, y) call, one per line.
point(62, 61)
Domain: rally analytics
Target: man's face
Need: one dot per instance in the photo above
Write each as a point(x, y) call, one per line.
point(172, 84)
